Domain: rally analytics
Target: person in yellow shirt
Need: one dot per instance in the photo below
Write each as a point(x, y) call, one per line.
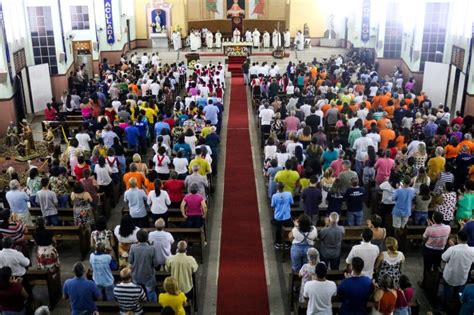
point(200, 160)
point(288, 178)
point(206, 130)
point(173, 297)
point(149, 113)
point(436, 164)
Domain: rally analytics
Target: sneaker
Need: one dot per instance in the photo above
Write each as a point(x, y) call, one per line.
point(277, 246)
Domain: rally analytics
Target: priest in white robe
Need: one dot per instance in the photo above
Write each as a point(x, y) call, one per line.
point(199, 39)
point(256, 38)
point(248, 36)
point(218, 38)
point(266, 40)
point(287, 39)
point(299, 41)
point(209, 39)
point(176, 38)
point(276, 39)
point(236, 36)
point(194, 41)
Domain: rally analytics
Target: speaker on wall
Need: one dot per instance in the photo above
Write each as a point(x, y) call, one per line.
point(62, 57)
point(3, 76)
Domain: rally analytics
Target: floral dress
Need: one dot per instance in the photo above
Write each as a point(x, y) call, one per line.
point(448, 206)
point(306, 272)
point(83, 212)
point(391, 266)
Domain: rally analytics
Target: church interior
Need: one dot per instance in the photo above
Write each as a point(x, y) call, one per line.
point(266, 157)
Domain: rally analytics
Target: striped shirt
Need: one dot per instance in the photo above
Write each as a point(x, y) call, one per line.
point(436, 236)
point(15, 231)
point(130, 297)
point(444, 177)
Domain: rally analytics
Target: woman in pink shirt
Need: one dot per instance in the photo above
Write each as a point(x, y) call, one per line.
point(194, 208)
point(383, 167)
point(49, 113)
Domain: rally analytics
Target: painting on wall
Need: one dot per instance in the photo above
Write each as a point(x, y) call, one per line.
point(235, 8)
point(158, 17)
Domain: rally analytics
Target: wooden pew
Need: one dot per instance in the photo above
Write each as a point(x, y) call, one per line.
point(36, 277)
point(174, 215)
point(65, 214)
point(67, 233)
point(112, 307)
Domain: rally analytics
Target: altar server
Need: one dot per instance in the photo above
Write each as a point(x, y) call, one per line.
point(299, 41)
point(218, 37)
point(209, 39)
point(248, 36)
point(194, 41)
point(266, 40)
point(256, 38)
point(287, 39)
point(276, 39)
point(176, 37)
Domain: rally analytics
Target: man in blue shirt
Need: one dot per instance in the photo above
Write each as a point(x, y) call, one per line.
point(355, 290)
point(403, 198)
point(160, 125)
point(281, 203)
point(18, 202)
point(102, 264)
point(82, 293)
point(132, 133)
point(211, 112)
point(136, 199)
point(355, 202)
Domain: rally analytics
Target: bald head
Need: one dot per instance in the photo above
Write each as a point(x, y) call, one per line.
point(126, 274)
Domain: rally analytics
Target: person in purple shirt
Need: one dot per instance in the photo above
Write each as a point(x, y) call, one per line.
point(82, 293)
point(311, 198)
point(211, 112)
point(132, 134)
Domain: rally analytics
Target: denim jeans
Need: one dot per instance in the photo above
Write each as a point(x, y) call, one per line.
point(151, 294)
point(51, 220)
point(451, 292)
point(420, 217)
point(107, 292)
point(354, 218)
point(359, 167)
point(402, 311)
point(298, 255)
point(63, 201)
point(121, 163)
point(195, 221)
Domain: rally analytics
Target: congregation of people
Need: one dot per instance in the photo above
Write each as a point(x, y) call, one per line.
point(352, 148)
point(132, 107)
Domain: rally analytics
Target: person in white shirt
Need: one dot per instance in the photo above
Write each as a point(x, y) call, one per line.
point(83, 138)
point(12, 258)
point(276, 39)
point(218, 37)
point(248, 36)
point(161, 241)
point(306, 109)
point(158, 200)
point(361, 145)
point(458, 259)
point(176, 37)
point(155, 88)
point(366, 251)
point(374, 135)
point(319, 292)
point(236, 35)
point(266, 116)
point(162, 162)
point(266, 40)
point(209, 39)
point(144, 59)
point(180, 164)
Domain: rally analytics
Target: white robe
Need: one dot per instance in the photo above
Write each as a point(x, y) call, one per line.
point(218, 37)
point(256, 38)
point(248, 36)
point(209, 39)
point(299, 41)
point(236, 36)
point(194, 41)
point(276, 39)
point(266, 40)
point(287, 39)
point(199, 39)
point(176, 40)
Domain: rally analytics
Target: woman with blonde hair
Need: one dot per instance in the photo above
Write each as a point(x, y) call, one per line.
point(326, 183)
point(173, 297)
point(141, 167)
point(420, 156)
point(389, 262)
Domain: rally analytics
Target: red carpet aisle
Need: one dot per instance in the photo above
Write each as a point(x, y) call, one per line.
point(242, 286)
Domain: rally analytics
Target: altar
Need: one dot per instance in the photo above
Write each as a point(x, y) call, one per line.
point(237, 49)
point(159, 40)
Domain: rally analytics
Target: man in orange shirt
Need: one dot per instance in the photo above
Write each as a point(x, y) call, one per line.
point(468, 142)
point(382, 123)
point(134, 174)
point(384, 98)
point(386, 135)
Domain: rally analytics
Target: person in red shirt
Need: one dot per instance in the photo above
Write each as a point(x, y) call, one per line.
point(12, 293)
point(458, 120)
point(80, 167)
point(49, 113)
point(175, 188)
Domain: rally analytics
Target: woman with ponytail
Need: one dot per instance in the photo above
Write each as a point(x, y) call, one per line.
point(159, 201)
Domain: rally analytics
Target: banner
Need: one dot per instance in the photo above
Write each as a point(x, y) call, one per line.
point(109, 22)
point(365, 27)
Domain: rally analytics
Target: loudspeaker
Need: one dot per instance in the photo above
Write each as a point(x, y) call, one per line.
point(3, 76)
point(62, 57)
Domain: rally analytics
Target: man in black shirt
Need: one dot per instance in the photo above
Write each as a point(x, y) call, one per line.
point(355, 198)
point(313, 120)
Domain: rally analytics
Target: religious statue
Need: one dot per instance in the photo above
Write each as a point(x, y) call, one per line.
point(28, 135)
point(235, 10)
point(12, 134)
point(23, 147)
point(49, 138)
point(306, 30)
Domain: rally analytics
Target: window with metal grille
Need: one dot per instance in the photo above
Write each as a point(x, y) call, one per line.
point(434, 32)
point(42, 37)
point(393, 32)
point(19, 60)
point(79, 17)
